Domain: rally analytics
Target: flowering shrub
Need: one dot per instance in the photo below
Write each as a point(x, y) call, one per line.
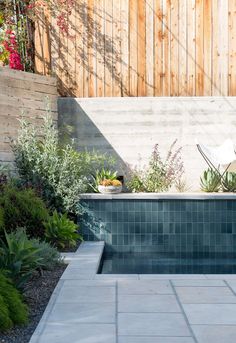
point(11, 45)
point(160, 175)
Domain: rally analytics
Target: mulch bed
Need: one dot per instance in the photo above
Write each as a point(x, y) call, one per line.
point(37, 295)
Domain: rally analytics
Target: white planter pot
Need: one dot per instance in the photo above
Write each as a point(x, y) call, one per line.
point(109, 189)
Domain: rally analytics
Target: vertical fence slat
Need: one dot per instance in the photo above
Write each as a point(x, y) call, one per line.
point(215, 49)
point(224, 41)
point(182, 47)
point(92, 54)
point(124, 47)
point(166, 47)
point(99, 46)
point(149, 48)
point(191, 48)
point(207, 47)
point(116, 75)
point(174, 49)
point(141, 48)
point(232, 47)
point(199, 48)
point(158, 48)
point(133, 39)
point(108, 47)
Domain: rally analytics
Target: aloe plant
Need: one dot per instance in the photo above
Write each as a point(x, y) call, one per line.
point(210, 181)
point(104, 174)
point(229, 182)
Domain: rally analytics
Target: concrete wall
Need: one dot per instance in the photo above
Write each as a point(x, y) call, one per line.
point(128, 128)
point(26, 93)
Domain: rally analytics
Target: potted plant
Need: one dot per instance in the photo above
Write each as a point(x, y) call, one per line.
point(107, 186)
point(106, 182)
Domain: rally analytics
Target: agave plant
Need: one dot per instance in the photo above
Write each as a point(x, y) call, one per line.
point(229, 182)
point(210, 181)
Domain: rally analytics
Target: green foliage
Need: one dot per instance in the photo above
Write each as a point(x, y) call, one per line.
point(103, 174)
point(160, 174)
point(210, 181)
point(22, 208)
point(19, 257)
point(13, 310)
point(229, 182)
point(58, 172)
point(49, 256)
point(61, 231)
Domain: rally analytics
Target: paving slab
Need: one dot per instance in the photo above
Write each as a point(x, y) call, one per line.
point(144, 287)
point(221, 314)
point(171, 276)
point(205, 295)
point(154, 339)
point(85, 294)
point(83, 313)
point(215, 333)
point(78, 333)
point(147, 303)
point(152, 324)
point(199, 282)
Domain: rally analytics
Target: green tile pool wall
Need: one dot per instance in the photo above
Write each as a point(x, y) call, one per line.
point(173, 226)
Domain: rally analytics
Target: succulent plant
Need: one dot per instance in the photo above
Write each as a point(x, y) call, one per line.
point(210, 181)
point(229, 182)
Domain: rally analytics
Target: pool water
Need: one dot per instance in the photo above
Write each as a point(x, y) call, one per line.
point(152, 263)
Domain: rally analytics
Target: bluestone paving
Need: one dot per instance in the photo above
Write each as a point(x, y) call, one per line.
point(87, 307)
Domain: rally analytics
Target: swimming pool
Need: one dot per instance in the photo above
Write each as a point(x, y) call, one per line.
point(170, 224)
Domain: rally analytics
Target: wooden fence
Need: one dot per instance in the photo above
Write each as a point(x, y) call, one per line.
point(143, 48)
point(25, 93)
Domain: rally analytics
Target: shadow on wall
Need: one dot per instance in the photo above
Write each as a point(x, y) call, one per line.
point(75, 124)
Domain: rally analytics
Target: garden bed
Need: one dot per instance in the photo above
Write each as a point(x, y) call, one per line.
point(37, 294)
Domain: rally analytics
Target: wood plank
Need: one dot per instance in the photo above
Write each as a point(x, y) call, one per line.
point(199, 48)
point(183, 47)
point(108, 47)
point(174, 48)
point(224, 41)
point(133, 39)
point(19, 92)
point(158, 48)
point(25, 76)
point(91, 49)
point(207, 47)
point(116, 67)
point(100, 46)
point(141, 48)
point(124, 36)
point(149, 48)
point(215, 49)
point(71, 53)
point(232, 47)
point(166, 47)
point(191, 48)
point(19, 102)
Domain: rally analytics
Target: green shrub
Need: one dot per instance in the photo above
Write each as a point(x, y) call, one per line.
point(229, 182)
point(59, 172)
point(210, 181)
point(61, 231)
point(48, 254)
point(19, 257)
point(13, 310)
point(160, 174)
point(22, 208)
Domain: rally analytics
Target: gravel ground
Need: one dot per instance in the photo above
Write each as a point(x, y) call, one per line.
point(37, 295)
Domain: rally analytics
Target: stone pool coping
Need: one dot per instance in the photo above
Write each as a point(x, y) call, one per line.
point(159, 196)
point(104, 308)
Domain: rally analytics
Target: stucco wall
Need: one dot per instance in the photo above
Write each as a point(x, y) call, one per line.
point(128, 128)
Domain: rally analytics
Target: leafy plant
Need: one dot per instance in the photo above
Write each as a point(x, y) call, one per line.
point(19, 257)
point(61, 231)
point(210, 181)
point(160, 174)
point(49, 256)
point(229, 182)
point(58, 173)
point(13, 310)
point(22, 208)
point(103, 175)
